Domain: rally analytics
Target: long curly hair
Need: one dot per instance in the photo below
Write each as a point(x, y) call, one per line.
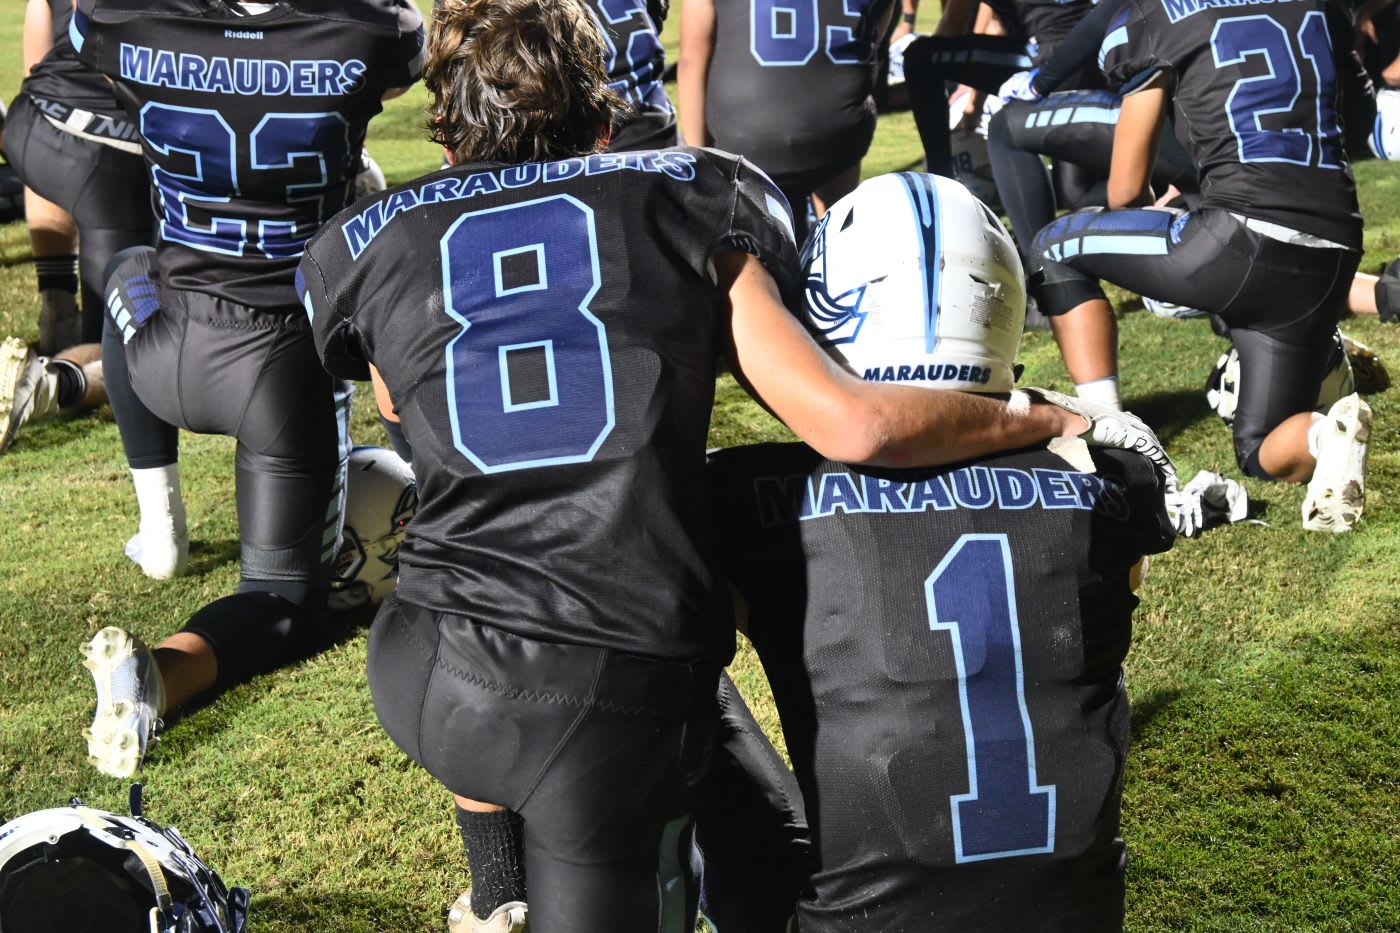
point(518, 81)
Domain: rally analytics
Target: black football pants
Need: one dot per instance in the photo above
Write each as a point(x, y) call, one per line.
point(598, 751)
point(215, 367)
point(1074, 127)
point(982, 62)
point(1281, 301)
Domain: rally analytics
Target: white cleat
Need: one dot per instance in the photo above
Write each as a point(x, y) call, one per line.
point(1170, 311)
point(510, 917)
point(21, 375)
point(1337, 491)
point(1367, 369)
point(130, 696)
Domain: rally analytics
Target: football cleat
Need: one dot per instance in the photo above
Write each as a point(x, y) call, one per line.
point(510, 917)
point(1352, 367)
point(1368, 372)
point(897, 49)
point(60, 321)
point(1165, 309)
point(130, 698)
point(24, 388)
point(1337, 491)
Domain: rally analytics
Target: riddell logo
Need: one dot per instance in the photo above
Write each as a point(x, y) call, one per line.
point(242, 34)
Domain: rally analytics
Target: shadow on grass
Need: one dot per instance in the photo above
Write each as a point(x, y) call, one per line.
point(314, 909)
point(1148, 708)
point(206, 556)
point(1170, 413)
point(203, 719)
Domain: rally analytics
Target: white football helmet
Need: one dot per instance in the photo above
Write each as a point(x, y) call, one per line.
point(1223, 386)
point(380, 498)
point(911, 279)
point(1385, 137)
point(971, 163)
point(89, 871)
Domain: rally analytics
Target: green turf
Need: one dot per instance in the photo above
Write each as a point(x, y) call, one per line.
point(1261, 789)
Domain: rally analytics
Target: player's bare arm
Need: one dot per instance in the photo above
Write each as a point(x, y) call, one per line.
point(1135, 146)
point(693, 68)
point(853, 421)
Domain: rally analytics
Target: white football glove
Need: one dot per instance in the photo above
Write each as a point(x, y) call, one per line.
point(1020, 86)
point(369, 179)
point(1208, 500)
point(1109, 427)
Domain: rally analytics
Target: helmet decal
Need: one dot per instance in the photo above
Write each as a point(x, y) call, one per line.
point(836, 318)
point(924, 198)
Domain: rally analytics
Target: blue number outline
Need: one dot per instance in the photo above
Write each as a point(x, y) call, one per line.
point(198, 156)
point(322, 215)
point(635, 58)
point(845, 35)
point(1324, 71)
point(952, 627)
point(775, 6)
point(605, 355)
point(1318, 60)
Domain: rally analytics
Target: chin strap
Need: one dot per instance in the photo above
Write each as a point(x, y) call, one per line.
point(154, 873)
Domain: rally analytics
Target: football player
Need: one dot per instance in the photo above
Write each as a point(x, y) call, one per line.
point(635, 63)
point(1275, 243)
point(252, 117)
point(945, 646)
point(557, 636)
point(786, 86)
point(80, 153)
point(980, 46)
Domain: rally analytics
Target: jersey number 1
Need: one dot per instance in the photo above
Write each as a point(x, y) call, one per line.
point(529, 378)
point(971, 596)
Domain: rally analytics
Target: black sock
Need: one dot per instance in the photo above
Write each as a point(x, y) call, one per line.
point(1388, 294)
point(59, 272)
point(72, 384)
point(496, 857)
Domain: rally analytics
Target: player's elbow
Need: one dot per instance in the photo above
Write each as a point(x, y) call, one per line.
point(855, 432)
point(1122, 194)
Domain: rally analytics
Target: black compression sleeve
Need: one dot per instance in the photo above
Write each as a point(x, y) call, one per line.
point(1077, 50)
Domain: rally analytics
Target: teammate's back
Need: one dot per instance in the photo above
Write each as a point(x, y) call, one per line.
point(252, 119)
point(945, 650)
point(560, 339)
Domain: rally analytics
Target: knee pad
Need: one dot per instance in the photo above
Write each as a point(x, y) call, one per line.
point(1058, 288)
point(116, 262)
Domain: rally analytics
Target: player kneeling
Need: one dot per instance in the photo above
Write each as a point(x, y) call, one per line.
point(945, 645)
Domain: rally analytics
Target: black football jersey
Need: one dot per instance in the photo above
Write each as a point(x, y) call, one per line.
point(945, 650)
point(548, 333)
point(252, 124)
point(789, 84)
point(635, 65)
point(60, 78)
point(1257, 100)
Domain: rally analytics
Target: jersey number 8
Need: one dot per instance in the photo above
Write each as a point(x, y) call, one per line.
point(529, 378)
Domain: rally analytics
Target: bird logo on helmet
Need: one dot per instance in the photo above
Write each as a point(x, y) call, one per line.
point(930, 278)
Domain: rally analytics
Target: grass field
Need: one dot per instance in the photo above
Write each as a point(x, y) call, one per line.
point(1261, 788)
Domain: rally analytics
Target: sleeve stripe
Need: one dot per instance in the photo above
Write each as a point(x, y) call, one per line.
point(77, 29)
point(1111, 41)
